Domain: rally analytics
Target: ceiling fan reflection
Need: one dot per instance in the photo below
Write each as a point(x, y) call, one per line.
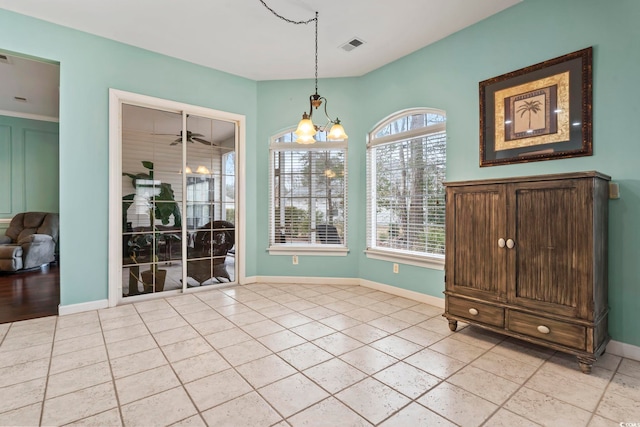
point(191, 137)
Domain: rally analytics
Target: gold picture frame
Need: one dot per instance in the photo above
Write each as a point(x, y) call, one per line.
point(540, 112)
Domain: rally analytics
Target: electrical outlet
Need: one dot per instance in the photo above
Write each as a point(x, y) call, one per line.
point(396, 268)
point(295, 260)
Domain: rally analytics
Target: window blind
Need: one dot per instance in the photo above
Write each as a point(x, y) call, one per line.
point(407, 169)
point(308, 192)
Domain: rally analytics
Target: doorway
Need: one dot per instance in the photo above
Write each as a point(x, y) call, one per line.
point(29, 174)
point(174, 198)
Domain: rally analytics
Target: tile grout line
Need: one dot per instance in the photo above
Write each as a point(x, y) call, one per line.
point(298, 371)
point(257, 390)
point(501, 406)
point(4, 337)
point(182, 385)
point(301, 372)
point(231, 366)
point(604, 392)
point(46, 382)
point(254, 389)
point(92, 364)
point(113, 378)
point(368, 376)
point(444, 380)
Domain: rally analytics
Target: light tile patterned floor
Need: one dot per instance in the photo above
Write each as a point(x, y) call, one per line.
point(295, 355)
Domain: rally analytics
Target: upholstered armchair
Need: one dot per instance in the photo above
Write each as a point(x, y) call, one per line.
point(30, 241)
point(215, 239)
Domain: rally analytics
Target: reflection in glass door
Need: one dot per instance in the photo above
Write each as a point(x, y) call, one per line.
point(178, 205)
point(209, 220)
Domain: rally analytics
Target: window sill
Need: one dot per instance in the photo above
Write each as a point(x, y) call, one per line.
point(434, 263)
point(312, 250)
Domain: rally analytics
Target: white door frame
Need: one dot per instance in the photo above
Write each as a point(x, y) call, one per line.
point(116, 99)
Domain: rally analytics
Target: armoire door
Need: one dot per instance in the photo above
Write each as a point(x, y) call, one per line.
point(475, 246)
point(551, 228)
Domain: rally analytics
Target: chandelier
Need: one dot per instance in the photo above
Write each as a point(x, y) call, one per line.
point(307, 130)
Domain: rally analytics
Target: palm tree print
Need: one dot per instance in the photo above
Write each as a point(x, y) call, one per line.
point(529, 107)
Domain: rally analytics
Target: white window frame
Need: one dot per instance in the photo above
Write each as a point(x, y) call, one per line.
point(316, 249)
point(432, 261)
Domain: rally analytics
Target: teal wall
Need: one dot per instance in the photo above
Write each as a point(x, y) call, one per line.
point(89, 66)
point(28, 166)
point(280, 106)
point(445, 75)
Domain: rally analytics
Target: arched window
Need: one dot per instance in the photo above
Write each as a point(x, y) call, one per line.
point(308, 195)
point(406, 165)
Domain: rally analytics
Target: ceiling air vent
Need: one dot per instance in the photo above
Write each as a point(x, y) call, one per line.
point(352, 44)
point(4, 59)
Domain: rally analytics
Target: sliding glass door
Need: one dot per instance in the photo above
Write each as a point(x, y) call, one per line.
point(178, 200)
point(210, 195)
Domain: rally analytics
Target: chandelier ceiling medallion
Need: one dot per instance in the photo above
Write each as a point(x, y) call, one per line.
point(307, 130)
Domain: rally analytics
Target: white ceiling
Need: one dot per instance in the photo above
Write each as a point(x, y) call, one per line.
point(243, 38)
point(36, 81)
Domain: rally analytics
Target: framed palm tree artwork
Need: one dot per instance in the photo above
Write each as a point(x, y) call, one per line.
point(540, 112)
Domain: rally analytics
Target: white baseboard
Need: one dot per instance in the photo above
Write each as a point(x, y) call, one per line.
point(304, 280)
point(416, 296)
point(621, 349)
point(64, 310)
point(413, 295)
point(248, 280)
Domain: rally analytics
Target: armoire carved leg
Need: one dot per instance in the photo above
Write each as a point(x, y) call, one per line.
point(453, 325)
point(586, 363)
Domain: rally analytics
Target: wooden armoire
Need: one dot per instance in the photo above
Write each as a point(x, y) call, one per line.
point(527, 257)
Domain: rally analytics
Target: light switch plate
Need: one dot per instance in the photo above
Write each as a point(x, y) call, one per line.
point(614, 190)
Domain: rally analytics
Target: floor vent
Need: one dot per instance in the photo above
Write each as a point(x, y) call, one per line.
point(352, 44)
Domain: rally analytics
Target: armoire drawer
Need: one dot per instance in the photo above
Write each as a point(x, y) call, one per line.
point(550, 330)
point(476, 311)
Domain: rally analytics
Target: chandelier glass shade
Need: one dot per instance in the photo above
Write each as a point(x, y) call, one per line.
point(307, 130)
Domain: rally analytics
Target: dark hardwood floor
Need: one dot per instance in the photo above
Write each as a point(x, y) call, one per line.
point(31, 294)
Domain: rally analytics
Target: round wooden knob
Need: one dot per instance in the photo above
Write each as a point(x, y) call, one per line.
point(543, 329)
point(473, 311)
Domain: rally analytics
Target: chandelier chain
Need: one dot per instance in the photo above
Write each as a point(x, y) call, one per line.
point(287, 19)
point(306, 129)
point(308, 21)
point(316, 19)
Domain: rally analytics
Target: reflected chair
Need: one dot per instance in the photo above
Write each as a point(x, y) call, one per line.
point(212, 241)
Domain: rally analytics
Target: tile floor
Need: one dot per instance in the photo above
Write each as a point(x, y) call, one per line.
point(295, 355)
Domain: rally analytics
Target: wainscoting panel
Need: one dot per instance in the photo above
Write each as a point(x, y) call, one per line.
point(29, 166)
point(41, 170)
point(5, 170)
